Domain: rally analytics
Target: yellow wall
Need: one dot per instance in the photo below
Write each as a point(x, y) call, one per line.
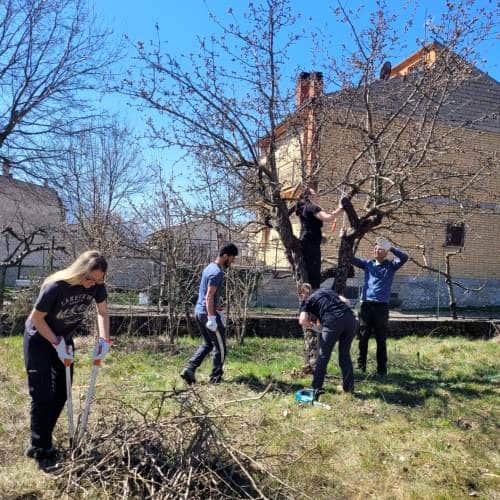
point(480, 257)
point(288, 159)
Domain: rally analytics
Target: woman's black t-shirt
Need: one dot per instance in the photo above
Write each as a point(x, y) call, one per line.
point(65, 306)
point(310, 226)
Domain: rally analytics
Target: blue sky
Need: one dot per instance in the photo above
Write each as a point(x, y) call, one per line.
point(182, 21)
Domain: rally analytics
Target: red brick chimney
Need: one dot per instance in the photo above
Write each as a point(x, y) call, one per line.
point(309, 85)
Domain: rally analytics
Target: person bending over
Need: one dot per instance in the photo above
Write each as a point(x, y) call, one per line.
point(338, 323)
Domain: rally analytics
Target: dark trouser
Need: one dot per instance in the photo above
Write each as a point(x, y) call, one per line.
point(47, 388)
point(312, 258)
point(344, 330)
point(373, 320)
point(214, 342)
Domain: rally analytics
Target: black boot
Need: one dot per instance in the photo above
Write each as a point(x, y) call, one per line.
point(318, 393)
point(188, 375)
point(40, 453)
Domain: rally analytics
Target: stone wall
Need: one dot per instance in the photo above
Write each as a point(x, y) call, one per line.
point(288, 327)
point(409, 292)
point(425, 292)
point(284, 327)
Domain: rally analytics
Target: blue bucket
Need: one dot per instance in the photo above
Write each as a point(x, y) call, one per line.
point(305, 396)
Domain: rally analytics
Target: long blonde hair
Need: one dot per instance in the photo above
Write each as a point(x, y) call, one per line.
point(91, 260)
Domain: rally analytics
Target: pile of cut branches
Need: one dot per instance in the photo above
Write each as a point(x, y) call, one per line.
point(185, 455)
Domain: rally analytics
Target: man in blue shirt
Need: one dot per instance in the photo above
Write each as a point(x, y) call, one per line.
point(374, 312)
point(211, 321)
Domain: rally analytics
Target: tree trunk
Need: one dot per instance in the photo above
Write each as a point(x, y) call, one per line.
point(311, 349)
point(449, 285)
point(3, 274)
point(344, 263)
point(295, 257)
point(359, 227)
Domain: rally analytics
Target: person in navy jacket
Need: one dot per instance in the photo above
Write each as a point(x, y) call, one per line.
point(374, 312)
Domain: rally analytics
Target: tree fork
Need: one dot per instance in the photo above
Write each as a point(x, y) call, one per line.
point(359, 227)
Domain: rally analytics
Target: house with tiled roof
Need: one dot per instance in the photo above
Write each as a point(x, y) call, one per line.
point(470, 227)
point(24, 208)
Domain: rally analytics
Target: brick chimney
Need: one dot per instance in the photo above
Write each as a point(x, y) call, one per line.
point(309, 85)
point(6, 168)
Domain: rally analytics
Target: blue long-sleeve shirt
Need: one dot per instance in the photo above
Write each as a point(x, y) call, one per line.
point(379, 277)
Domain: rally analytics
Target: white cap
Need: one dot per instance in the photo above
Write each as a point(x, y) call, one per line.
point(383, 244)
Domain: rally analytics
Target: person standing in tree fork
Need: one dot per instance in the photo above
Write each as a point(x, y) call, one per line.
point(211, 320)
point(374, 312)
point(311, 217)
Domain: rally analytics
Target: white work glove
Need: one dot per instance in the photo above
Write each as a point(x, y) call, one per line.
point(223, 318)
point(101, 349)
point(64, 351)
point(383, 244)
point(211, 324)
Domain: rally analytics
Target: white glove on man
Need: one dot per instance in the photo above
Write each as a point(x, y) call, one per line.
point(101, 349)
point(383, 244)
point(64, 351)
point(211, 324)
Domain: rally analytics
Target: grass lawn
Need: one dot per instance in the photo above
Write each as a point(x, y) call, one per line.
point(428, 430)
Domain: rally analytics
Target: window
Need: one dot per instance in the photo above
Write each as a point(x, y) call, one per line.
point(455, 234)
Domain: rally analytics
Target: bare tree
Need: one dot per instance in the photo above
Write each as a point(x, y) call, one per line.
point(166, 236)
point(21, 245)
point(53, 55)
point(242, 284)
point(405, 135)
point(98, 180)
point(451, 283)
point(391, 161)
point(219, 115)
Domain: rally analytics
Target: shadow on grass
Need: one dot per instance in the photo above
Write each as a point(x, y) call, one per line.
point(259, 384)
point(402, 389)
point(405, 389)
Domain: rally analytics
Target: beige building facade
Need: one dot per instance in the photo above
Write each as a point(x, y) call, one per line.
point(469, 228)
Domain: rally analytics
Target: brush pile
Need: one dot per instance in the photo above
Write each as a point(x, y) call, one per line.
point(187, 455)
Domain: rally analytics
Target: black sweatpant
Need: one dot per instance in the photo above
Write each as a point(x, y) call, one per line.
point(312, 258)
point(373, 320)
point(47, 387)
point(214, 342)
point(344, 330)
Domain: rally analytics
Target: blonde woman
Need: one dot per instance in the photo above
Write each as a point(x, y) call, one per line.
point(48, 341)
